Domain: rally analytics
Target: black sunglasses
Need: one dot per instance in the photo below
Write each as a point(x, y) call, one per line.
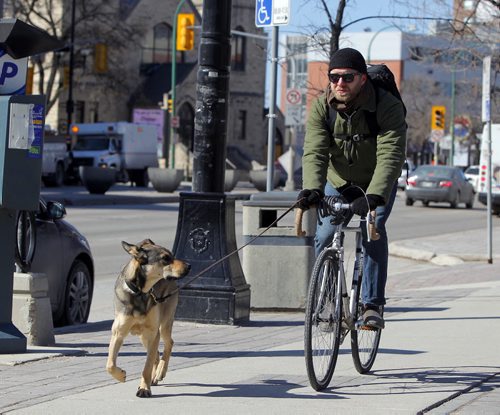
point(346, 77)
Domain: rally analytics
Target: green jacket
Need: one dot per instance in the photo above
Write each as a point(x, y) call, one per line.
point(373, 163)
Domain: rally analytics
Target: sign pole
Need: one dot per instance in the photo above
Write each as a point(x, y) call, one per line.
point(486, 117)
point(272, 107)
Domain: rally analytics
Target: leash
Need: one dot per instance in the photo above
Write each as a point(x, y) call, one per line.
point(203, 271)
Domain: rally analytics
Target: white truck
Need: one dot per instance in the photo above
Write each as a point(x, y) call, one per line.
point(495, 169)
point(129, 148)
point(55, 160)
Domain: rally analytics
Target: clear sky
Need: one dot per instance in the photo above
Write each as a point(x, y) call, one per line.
point(309, 14)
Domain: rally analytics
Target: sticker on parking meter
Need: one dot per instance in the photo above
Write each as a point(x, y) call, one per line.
point(36, 131)
point(19, 122)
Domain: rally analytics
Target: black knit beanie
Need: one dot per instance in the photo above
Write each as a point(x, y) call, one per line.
point(348, 58)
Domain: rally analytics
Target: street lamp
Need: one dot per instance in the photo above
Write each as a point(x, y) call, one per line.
point(368, 55)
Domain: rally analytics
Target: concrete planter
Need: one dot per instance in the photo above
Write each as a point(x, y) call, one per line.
point(97, 180)
point(259, 179)
point(230, 179)
point(165, 180)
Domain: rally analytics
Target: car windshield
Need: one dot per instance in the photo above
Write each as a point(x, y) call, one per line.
point(434, 171)
point(92, 143)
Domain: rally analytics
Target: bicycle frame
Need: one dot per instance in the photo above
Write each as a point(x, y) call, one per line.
point(337, 245)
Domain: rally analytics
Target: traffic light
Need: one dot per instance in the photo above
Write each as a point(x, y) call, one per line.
point(101, 58)
point(169, 105)
point(185, 31)
point(438, 117)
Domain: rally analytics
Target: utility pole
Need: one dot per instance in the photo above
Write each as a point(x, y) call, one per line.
point(69, 103)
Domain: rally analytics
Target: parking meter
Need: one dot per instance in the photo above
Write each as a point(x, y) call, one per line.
point(22, 120)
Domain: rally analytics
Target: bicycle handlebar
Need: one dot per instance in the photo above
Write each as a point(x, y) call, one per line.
point(373, 234)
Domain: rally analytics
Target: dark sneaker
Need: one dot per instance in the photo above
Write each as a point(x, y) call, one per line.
point(372, 317)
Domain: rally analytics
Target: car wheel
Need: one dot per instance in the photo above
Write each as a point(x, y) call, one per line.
point(78, 295)
point(470, 204)
point(456, 201)
point(409, 201)
point(425, 203)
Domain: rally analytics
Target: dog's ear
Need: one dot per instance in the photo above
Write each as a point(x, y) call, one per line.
point(145, 242)
point(136, 252)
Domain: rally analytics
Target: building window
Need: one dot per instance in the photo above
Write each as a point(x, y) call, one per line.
point(162, 43)
point(241, 125)
point(238, 51)
point(296, 62)
point(158, 48)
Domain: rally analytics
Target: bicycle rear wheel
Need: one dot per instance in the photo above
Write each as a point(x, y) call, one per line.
point(364, 340)
point(322, 321)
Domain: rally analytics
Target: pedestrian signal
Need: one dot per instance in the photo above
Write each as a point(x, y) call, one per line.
point(438, 117)
point(185, 31)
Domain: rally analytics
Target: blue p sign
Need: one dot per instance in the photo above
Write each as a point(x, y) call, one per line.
point(9, 70)
point(12, 74)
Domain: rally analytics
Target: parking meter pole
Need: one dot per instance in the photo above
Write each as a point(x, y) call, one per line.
point(11, 339)
point(205, 228)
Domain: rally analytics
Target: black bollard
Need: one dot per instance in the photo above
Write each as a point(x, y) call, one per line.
point(205, 229)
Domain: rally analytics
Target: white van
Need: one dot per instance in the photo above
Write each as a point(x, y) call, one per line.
point(495, 168)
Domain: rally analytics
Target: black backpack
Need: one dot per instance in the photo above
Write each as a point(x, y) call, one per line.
point(381, 78)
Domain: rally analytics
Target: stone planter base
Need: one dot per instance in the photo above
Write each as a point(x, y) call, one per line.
point(97, 180)
point(165, 180)
point(259, 179)
point(231, 179)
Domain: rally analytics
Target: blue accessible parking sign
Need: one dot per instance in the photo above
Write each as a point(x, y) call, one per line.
point(272, 12)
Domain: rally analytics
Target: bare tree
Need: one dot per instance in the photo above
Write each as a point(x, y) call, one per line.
point(95, 22)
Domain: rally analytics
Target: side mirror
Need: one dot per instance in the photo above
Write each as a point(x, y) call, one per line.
point(56, 210)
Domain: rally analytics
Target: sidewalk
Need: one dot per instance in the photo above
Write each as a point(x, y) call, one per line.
point(438, 354)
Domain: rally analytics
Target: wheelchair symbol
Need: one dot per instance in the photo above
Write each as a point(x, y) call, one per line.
point(262, 16)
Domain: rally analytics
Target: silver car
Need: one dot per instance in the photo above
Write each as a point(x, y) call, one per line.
point(48, 244)
point(439, 184)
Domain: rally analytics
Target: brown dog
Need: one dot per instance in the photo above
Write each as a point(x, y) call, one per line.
point(146, 297)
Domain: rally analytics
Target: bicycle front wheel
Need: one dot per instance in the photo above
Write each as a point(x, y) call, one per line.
point(364, 340)
point(323, 321)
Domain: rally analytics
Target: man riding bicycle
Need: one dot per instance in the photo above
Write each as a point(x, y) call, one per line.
point(342, 156)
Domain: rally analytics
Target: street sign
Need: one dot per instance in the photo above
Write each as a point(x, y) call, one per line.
point(436, 136)
point(293, 113)
point(486, 103)
point(272, 12)
point(293, 97)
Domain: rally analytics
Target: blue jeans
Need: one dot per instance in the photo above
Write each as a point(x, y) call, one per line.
point(377, 252)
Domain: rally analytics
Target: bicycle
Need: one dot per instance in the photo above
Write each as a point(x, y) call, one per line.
point(331, 312)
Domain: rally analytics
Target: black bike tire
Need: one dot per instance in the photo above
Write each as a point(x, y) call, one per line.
point(358, 337)
point(317, 381)
point(24, 259)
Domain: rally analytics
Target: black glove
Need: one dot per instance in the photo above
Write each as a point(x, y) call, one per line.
point(308, 197)
point(360, 206)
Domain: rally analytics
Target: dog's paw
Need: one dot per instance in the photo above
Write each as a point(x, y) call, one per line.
point(119, 374)
point(160, 373)
point(143, 393)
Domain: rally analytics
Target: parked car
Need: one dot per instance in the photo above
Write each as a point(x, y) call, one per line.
point(439, 184)
point(408, 168)
point(471, 173)
point(63, 254)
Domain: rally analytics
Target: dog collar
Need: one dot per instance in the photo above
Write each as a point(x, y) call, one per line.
point(133, 288)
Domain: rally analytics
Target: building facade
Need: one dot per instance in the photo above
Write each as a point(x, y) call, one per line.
point(121, 70)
